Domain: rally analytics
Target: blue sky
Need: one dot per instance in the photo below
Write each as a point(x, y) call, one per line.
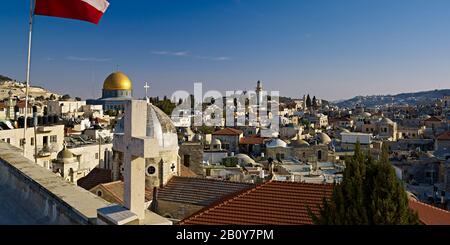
point(333, 49)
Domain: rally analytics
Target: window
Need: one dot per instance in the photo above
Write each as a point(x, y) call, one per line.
point(99, 193)
point(151, 170)
point(32, 141)
point(319, 155)
point(96, 155)
point(22, 142)
point(187, 160)
point(53, 139)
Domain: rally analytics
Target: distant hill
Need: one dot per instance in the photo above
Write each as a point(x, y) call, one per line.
point(4, 78)
point(8, 84)
point(399, 99)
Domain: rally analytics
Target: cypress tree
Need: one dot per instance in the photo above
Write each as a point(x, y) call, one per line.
point(308, 101)
point(370, 193)
point(314, 102)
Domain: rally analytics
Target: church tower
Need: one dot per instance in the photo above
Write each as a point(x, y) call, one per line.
point(147, 143)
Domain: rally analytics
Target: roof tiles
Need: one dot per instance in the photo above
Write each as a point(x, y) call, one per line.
point(274, 203)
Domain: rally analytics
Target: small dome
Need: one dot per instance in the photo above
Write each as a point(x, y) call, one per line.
point(299, 143)
point(117, 81)
point(245, 159)
point(276, 143)
point(197, 137)
point(366, 114)
point(161, 127)
point(324, 138)
point(158, 125)
point(344, 130)
point(64, 154)
point(216, 142)
point(386, 120)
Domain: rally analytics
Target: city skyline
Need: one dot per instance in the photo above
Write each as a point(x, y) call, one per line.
point(321, 48)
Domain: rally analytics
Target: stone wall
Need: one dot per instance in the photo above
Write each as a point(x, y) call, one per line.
point(195, 152)
point(30, 194)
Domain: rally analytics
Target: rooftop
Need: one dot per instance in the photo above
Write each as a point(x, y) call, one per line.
point(444, 136)
point(199, 191)
point(228, 131)
point(273, 203)
point(430, 215)
point(95, 177)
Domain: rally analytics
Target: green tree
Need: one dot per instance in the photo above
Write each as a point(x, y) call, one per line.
point(66, 97)
point(308, 101)
point(314, 102)
point(370, 194)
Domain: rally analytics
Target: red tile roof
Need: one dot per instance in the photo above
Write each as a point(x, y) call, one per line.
point(272, 203)
point(252, 140)
point(434, 119)
point(444, 136)
point(95, 177)
point(228, 131)
point(200, 191)
point(21, 104)
point(429, 215)
point(116, 190)
point(186, 172)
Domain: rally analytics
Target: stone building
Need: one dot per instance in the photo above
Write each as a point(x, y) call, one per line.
point(229, 137)
point(191, 156)
point(299, 149)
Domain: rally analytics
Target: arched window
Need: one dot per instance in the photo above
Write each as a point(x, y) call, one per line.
point(319, 155)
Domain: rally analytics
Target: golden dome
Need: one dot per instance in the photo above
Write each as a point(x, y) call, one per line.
point(117, 81)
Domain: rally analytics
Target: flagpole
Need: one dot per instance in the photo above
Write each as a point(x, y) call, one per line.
point(30, 38)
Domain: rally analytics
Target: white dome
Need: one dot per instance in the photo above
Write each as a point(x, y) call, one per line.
point(245, 159)
point(158, 125)
point(386, 120)
point(216, 142)
point(324, 138)
point(276, 143)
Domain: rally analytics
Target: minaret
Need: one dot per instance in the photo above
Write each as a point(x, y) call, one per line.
point(258, 93)
point(10, 106)
point(304, 102)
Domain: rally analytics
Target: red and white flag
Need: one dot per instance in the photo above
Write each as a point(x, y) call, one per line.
point(87, 10)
